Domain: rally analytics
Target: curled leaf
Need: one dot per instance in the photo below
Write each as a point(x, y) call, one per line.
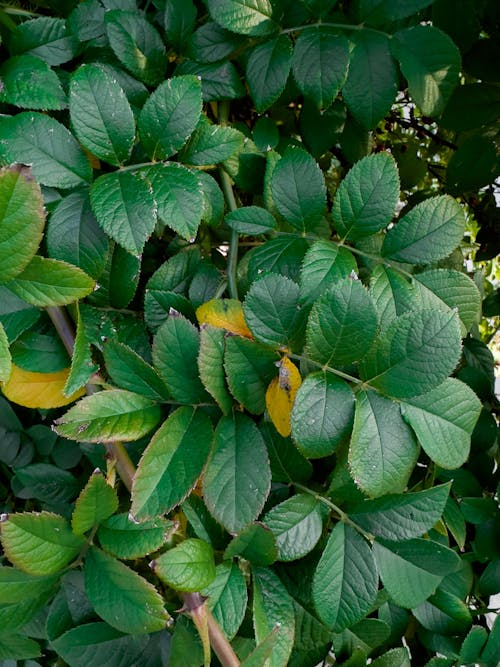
point(280, 395)
point(38, 390)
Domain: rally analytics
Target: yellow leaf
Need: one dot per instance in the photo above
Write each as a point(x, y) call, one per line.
point(280, 395)
point(224, 314)
point(38, 390)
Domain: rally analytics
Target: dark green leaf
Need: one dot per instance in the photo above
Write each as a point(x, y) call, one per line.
point(29, 83)
point(479, 151)
point(179, 19)
point(18, 647)
point(392, 294)
point(219, 81)
point(255, 543)
point(124, 538)
point(227, 597)
point(297, 525)
point(251, 220)
point(324, 264)
point(282, 255)
point(210, 144)
point(267, 71)
point(46, 37)
point(287, 463)
point(247, 17)
point(472, 105)
point(210, 43)
point(210, 366)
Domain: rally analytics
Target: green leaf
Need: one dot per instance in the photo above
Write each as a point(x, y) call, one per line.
point(282, 255)
point(246, 17)
point(255, 543)
point(342, 324)
point(402, 516)
point(129, 371)
point(109, 416)
point(82, 364)
point(210, 43)
point(377, 11)
point(227, 597)
point(188, 566)
point(273, 313)
point(287, 463)
point(395, 657)
point(219, 81)
point(21, 220)
point(5, 358)
point(267, 71)
point(412, 570)
point(297, 525)
point(383, 450)
point(18, 647)
point(39, 543)
point(172, 463)
point(429, 232)
point(101, 115)
point(124, 207)
point(96, 502)
point(346, 580)
point(444, 613)
point(479, 151)
point(273, 607)
point(415, 354)
point(238, 478)
point(121, 597)
point(16, 315)
point(46, 37)
point(98, 642)
point(372, 80)
point(210, 366)
point(367, 197)
point(320, 62)
point(322, 414)
point(392, 295)
point(298, 189)
point(179, 21)
point(137, 45)
point(210, 144)
point(443, 420)
point(472, 105)
point(175, 352)
point(447, 288)
point(178, 197)
point(17, 586)
point(325, 264)
point(40, 141)
point(251, 220)
point(50, 282)
point(29, 83)
point(170, 116)
point(124, 538)
point(74, 236)
point(431, 63)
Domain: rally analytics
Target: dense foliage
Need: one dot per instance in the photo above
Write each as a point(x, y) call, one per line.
point(247, 282)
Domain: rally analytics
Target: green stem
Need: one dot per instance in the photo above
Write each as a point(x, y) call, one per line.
point(338, 511)
point(367, 255)
point(227, 189)
point(341, 26)
point(324, 367)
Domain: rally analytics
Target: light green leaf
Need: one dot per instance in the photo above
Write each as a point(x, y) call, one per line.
point(256, 543)
point(273, 606)
point(18, 586)
point(320, 63)
point(29, 83)
point(39, 543)
point(372, 81)
point(249, 367)
point(416, 353)
point(178, 197)
point(298, 189)
point(238, 478)
point(137, 44)
point(259, 656)
point(251, 220)
point(383, 450)
point(402, 516)
point(50, 282)
point(22, 220)
point(246, 17)
point(443, 420)
point(325, 264)
point(273, 313)
point(124, 207)
point(395, 657)
point(129, 371)
point(429, 232)
point(211, 144)
point(101, 115)
point(210, 365)
point(366, 199)
point(412, 570)
point(74, 236)
point(18, 647)
point(447, 288)
point(342, 324)
point(5, 358)
point(40, 141)
point(188, 566)
point(227, 597)
point(431, 63)
point(82, 364)
point(175, 352)
point(267, 71)
point(124, 538)
point(296, 524)
point(109, 416)
point(172, 463)
point(170, 116)
point(322, 414)
point(346, 580)
point(96, 502)
point(121, 597)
